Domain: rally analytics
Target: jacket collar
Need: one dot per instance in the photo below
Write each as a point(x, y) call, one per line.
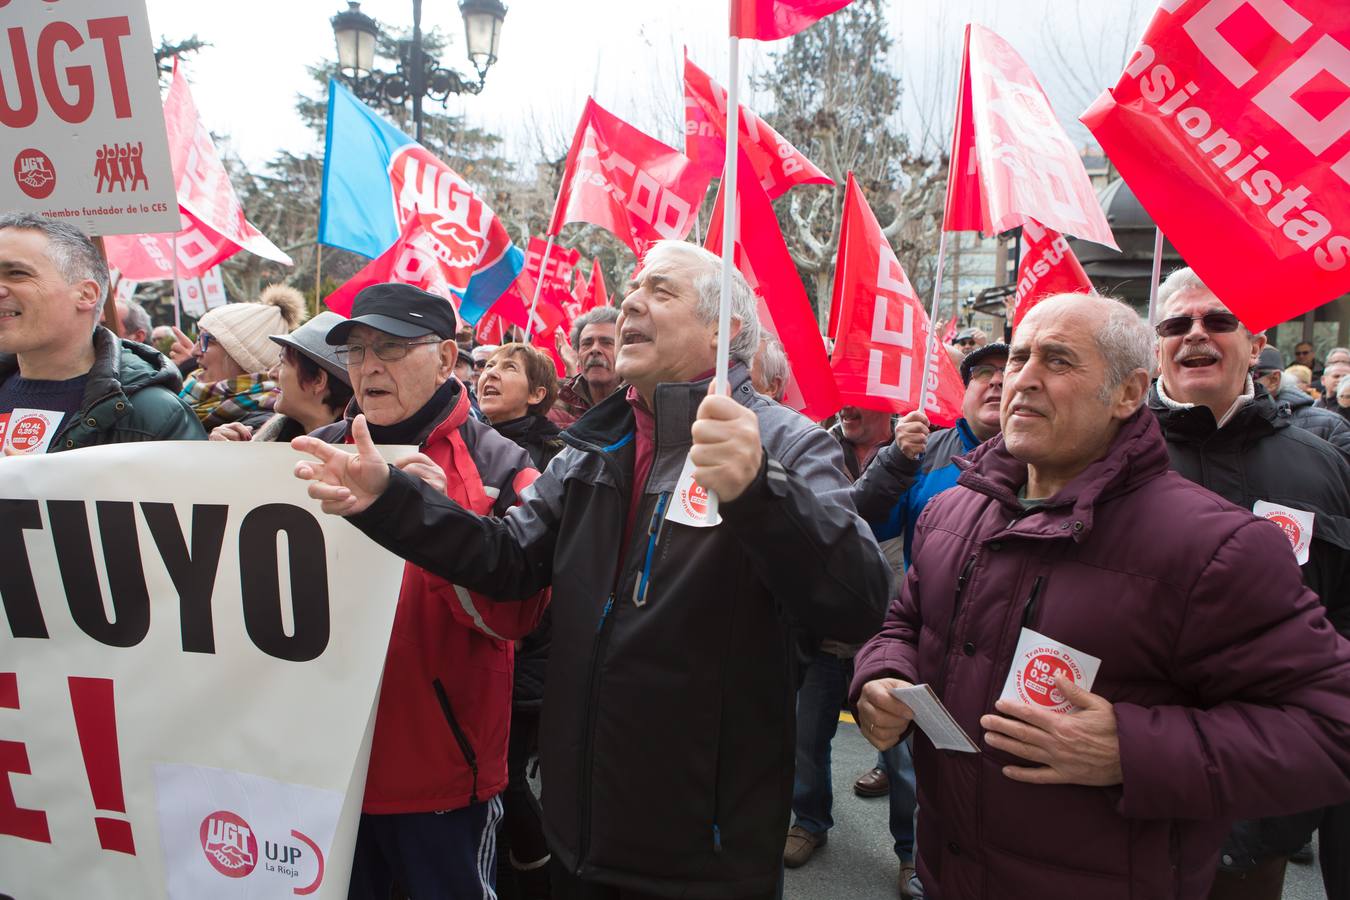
point(610, 423)
point(107, 378)
point(1137, 455)
point(454, 401)
point(1252, 420)
point(528, 427)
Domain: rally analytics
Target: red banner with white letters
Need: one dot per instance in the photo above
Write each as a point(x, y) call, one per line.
point(1011, 159)
point(214, 227)
point(628, 183)
point(411, 260)
point(1047, 267)
point(770, 20)
point(883, 328)
point(762, 257)
point(778, 165)
point(1231, 124)
point(597, 294)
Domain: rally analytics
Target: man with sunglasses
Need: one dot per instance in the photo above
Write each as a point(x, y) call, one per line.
point(438, 760)
point(1303, 356)
point(1225, 432)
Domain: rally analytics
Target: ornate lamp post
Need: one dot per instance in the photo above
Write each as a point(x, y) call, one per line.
point(418, 74)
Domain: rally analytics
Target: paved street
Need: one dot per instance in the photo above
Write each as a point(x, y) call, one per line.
point(858, 863)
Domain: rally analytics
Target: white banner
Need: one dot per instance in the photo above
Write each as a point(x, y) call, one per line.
point(81, 115)
point(188, 672)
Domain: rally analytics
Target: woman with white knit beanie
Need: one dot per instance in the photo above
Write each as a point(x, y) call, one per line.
point(235, 355)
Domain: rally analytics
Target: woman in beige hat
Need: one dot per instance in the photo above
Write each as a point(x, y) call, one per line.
point(235, 355)
point(313, 386)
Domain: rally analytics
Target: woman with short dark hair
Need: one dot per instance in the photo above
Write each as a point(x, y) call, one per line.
point(515, 392)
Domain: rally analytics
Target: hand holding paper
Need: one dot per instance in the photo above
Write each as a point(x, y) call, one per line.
point(882, 716)
point(1081, 747)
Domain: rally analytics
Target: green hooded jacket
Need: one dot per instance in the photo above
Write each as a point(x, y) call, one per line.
point(131, 395)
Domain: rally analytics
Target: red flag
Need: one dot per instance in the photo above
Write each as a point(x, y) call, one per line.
point(598, 295)
point(491, 330)
point(213, 223)
point(1231, 124)
point(770, 20)
point(762, 256)
point(777, 164)
point(633, 185)
point(1011, 160)
point(411, 260)
point(1047, 267)
point(950, 334)
point(514, 306)
point(883, 329)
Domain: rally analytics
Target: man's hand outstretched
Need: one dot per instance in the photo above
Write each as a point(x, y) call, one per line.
point(345, 483)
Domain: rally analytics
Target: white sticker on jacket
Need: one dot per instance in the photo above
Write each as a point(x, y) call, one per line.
point(31, 430)
point(1037, 662)
point(1297, 525)
point(692, 504)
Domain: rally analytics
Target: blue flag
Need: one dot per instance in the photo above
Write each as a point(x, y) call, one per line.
point(376, 178)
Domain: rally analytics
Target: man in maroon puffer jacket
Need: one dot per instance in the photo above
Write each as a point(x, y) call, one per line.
point(1222, 693)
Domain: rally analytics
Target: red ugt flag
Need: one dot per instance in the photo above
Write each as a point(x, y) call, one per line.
point(1048, 267)
point(631, 184)
point(412, 259)
point(883, 329)
point(762, 257)
point(778, 165)
point(1011, 160)
point(770, 20)
point(1231, 124)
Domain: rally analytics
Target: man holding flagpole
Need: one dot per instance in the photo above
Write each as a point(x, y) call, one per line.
point(667, 727)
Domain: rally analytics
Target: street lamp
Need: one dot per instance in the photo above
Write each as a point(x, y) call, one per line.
point(418, 74)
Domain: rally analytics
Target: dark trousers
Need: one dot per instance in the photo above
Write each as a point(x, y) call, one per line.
point(1333, 847)
point(567, 886)
point(428, 855)
point(1263, 882)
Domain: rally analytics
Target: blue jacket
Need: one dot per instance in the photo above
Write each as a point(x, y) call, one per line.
point(894, 489)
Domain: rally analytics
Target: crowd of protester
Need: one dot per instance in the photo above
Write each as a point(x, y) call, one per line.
point(676, 689)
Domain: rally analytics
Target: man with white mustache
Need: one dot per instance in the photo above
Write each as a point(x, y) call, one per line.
point(1226, 433)
point(592, 338)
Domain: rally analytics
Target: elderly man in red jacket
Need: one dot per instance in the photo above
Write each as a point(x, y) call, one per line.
point(1222, 691)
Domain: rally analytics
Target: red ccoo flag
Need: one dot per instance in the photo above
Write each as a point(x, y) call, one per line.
point(631, 184)
point(598, 295)
point(778, 165)
point(1048, 267)
point(762, 257)
point(883, 329)
point(771, 20)
point(1231, 124)
point(1011, 160)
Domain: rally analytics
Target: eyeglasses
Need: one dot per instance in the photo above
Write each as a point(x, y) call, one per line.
point(1212, 322)
point(480, 364)
point(1303, 353)
point(984, 372)
point(204, 341)
point(389, 351)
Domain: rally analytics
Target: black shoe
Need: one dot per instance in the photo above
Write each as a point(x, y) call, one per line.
point(1303, 854)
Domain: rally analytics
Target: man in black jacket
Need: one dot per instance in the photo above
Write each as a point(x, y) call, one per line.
point(1224, 432)
point(667, 729)
point(1330, 427)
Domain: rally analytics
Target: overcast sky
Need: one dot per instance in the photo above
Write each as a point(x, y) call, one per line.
point(626, 52)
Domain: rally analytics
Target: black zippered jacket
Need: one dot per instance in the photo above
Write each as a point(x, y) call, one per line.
point(667, 731)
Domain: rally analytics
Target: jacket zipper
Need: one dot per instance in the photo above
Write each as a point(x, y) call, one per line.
point(956, 609)
point(653, 537)
point(584, 806)
point(460, 737)
point(1029, 611)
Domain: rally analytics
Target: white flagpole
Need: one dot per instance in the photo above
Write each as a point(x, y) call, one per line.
point(1157, 273)
point(543, 265)
point(177, 300)
point(932, 317)
point(729, 218)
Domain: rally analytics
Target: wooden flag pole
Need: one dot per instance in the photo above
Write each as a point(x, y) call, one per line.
point(177, 301)
point(932, 318)
point(539, 283)
point(729, 219)
point(1157, 273)
point(111, 320)
point(318, 269)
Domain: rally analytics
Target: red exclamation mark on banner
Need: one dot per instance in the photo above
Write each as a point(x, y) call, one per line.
point(30, 824)
point(91, 699)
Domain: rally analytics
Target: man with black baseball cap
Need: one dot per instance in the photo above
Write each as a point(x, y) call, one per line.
point(1269, 373)
point(438, 761)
